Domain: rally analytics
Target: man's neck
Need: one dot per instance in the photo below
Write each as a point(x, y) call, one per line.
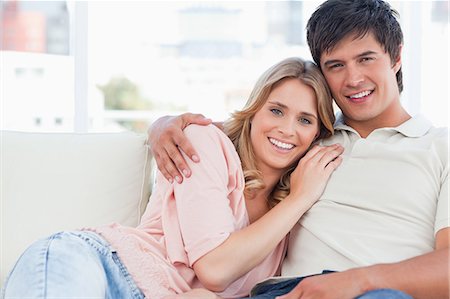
point(364, 128)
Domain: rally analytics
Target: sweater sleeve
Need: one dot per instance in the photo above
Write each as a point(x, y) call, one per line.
point(210, 204)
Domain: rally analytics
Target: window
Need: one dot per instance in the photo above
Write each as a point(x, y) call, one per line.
point(118, 65)
point(37, 72)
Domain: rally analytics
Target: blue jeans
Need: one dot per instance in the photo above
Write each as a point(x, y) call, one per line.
point(271, 291)
point(70, 265)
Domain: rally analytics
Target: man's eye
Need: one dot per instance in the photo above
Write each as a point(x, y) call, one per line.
point(336, 65)
point(366, 59)
point(276, 111)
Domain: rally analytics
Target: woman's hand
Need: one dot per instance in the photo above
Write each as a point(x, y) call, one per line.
point(166, 139)
point(311, 175)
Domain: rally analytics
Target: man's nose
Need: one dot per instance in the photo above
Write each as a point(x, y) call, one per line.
point(354, 77)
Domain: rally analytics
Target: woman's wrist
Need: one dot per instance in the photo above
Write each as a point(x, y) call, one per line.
point(302, 201)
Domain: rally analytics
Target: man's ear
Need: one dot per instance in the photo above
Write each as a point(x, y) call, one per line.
point(398, 61)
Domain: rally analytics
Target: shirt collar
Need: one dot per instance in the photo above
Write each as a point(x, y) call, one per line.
point(416, 126)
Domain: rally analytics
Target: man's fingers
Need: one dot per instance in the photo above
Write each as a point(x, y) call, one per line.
point(198, 119)
point(175, 163)
point(185, 145)
point(180, 164)
point(166, 167)
point(165, 160)
point(167, 140)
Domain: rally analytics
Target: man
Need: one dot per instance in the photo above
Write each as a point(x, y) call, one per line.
point(383, 220)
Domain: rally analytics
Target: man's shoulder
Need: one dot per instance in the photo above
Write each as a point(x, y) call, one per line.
point(439, 142)
point(420, 125)
point(439, 132)
point(437, 138)
point(337, 137)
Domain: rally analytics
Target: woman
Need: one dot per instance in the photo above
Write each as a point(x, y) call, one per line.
point(224, 228)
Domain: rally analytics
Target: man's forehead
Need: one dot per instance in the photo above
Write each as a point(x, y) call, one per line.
point(357, 43)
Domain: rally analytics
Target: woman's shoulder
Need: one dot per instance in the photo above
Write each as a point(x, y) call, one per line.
point(206, 133)
point(212, 140)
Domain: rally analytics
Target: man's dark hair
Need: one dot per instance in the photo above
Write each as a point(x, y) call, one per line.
point(337, 19)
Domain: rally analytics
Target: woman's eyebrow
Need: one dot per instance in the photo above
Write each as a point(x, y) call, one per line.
point(286, 107)
point(278, 104)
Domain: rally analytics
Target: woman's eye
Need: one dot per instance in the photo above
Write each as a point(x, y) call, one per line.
point(305, 121)
point(276, 111)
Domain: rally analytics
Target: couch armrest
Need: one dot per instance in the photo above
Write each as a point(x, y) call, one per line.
point(59, 181)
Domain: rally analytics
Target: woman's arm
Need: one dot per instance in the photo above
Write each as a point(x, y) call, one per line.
point(245, 249)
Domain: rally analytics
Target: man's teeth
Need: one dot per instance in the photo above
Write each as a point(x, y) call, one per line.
point(361, 94)
point(281, 144)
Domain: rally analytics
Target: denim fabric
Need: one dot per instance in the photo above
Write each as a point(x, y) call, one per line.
point(70, 265)
point(277, 289)
point(384, 294)
point(271, 291)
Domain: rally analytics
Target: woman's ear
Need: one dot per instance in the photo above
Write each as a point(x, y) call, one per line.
point(317, 135)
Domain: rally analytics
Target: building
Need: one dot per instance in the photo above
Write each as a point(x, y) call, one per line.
point(35, 26)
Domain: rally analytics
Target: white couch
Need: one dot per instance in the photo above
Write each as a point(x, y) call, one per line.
point(56, 181)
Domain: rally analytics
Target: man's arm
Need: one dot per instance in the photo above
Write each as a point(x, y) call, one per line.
point(166, 139)
point(423, 277)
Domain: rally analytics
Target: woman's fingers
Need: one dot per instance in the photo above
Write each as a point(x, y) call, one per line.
point(330, 154)
point(312, 152)
point(322, 155)
point(331, 166)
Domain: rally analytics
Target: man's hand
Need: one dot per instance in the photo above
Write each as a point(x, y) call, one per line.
point(166, 139)
point(342, 285)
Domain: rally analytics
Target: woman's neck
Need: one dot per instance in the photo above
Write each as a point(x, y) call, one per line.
point(258, 202)
point(257, 205)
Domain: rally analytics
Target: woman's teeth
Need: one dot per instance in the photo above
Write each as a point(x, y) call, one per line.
point(281, 144)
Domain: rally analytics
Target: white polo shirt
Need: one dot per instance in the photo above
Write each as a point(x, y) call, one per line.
point(384, 203)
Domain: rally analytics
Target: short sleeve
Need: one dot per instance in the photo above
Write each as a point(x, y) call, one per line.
point(203, 201)
point(443, 207)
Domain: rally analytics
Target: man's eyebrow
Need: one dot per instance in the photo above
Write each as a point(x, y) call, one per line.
point(369, 52)
point(365, 53)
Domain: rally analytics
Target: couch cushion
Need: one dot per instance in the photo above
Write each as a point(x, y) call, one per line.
point(56, 181)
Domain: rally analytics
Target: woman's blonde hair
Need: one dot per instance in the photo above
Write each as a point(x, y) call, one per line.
point(237, 127)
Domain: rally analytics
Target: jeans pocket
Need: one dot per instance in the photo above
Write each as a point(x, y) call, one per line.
point(95, 241)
